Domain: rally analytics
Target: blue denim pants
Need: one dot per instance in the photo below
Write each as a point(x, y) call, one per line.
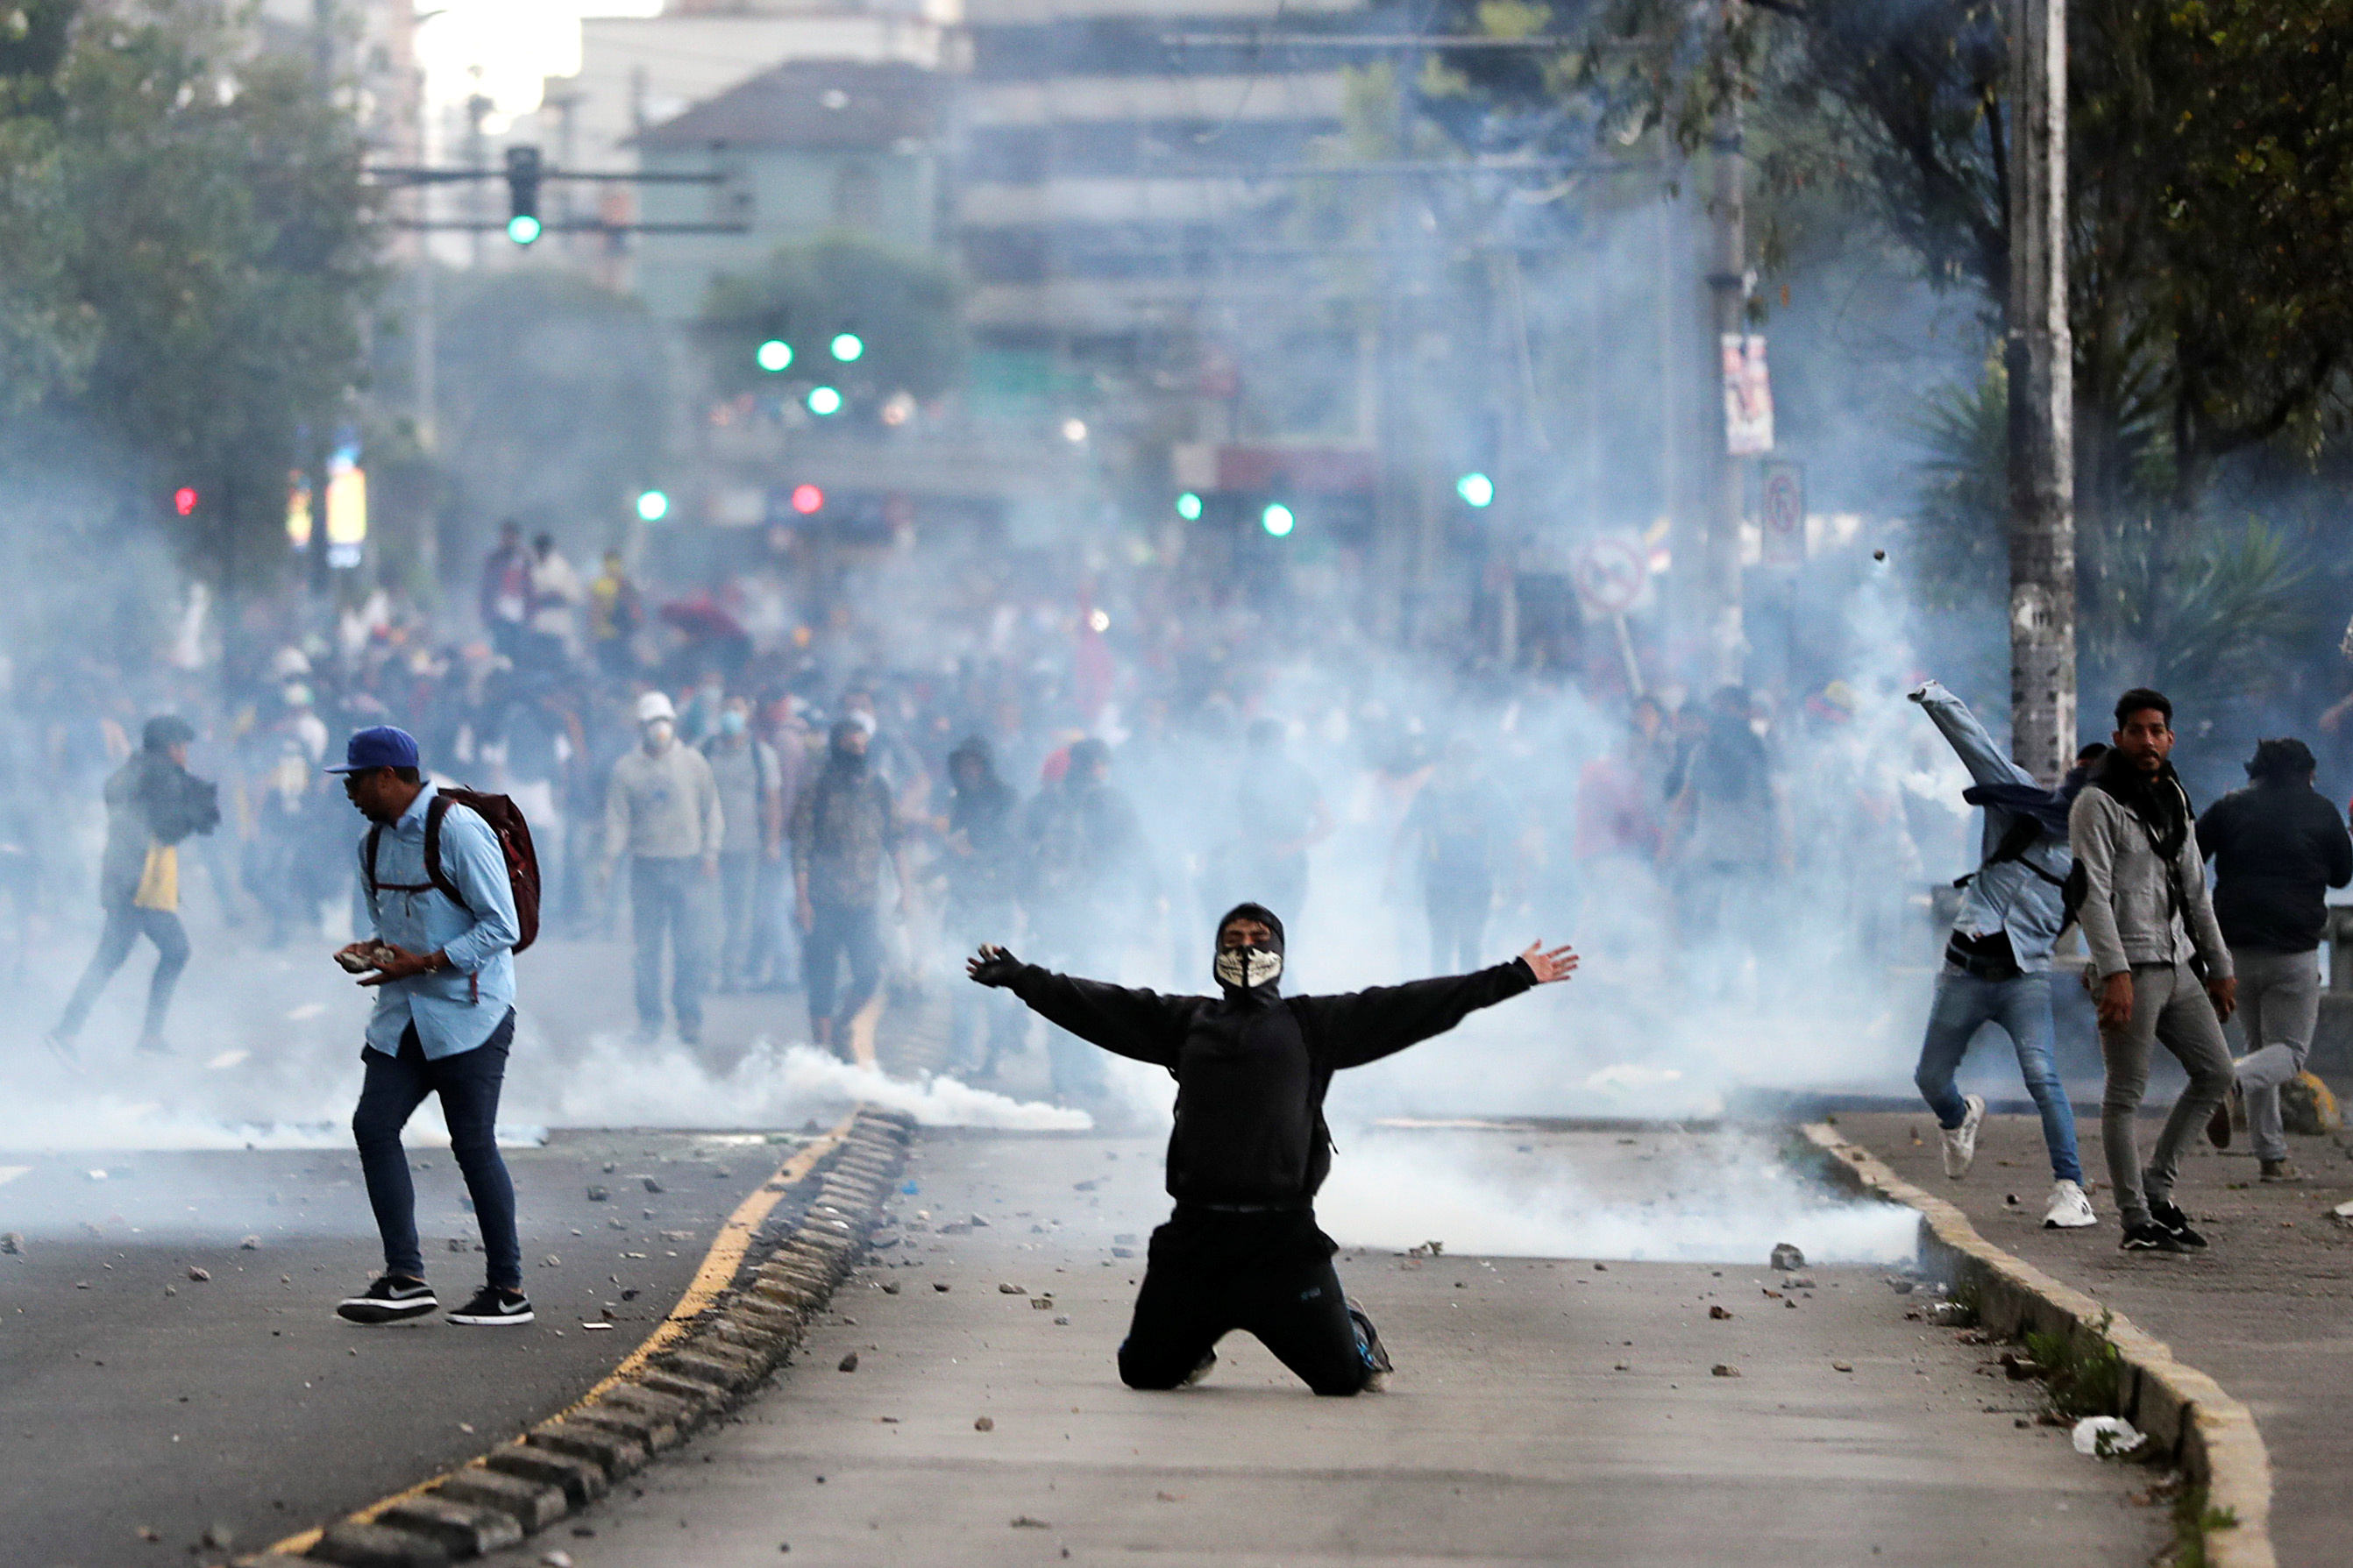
point(469, 1084)
point(2021, 1007)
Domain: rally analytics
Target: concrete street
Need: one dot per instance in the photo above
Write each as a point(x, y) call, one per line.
point(1543, 1410)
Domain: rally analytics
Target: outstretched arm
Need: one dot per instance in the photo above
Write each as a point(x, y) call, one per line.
point(1365, 1025)
point(1141, 1025)
point(1968, 737)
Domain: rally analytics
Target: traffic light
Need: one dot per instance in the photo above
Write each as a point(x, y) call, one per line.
point(808, 500)
point(1278, 519)
point(824, 400)
point(1188, 507)
point(523, 194)
point(183, 499)
point(1475, 489)
point(775, 355)
point(653, 506)
point(847, 346)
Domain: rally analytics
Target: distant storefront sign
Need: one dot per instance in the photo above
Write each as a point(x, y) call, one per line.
point(1748, 395)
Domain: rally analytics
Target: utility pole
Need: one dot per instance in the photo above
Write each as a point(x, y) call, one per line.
point(2039, 352)
point(1728, 282)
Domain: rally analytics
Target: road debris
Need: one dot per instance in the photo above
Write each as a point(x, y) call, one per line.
point(984, 1424)
point(1786, 1256)
point(199, 1275)
point(849, 1362)
point(2107, 1437)
point(1723, 1369)
point(1719, 1313)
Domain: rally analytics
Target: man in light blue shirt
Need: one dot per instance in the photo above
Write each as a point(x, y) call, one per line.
point(1997, 956)
point(437, 920)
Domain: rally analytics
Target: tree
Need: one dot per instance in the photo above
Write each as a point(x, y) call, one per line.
point(199, 248)
point(902, 305)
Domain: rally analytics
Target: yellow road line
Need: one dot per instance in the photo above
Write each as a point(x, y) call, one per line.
point(718, 1271)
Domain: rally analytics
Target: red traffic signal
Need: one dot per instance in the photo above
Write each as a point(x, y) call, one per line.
point(183, 499)
point(808, 500)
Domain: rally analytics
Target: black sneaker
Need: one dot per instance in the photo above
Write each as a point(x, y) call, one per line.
point(2149, 1236)
point(1378, 1365)
point(388, 1300)
point(492, 1308)
point(1201, 1370)
point(2177, 1224)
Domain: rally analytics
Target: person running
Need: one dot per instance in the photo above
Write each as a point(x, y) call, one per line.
point(1250, 1149)
point(1998, 959)
point(443, 971)
point(2146, 916)
point(152, 802)
point(2278, 848)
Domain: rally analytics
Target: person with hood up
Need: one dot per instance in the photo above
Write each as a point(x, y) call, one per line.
point(1250, 1147)
point(984, 879)
point(844, 828)
point(1997, 956)
point(152, 802)
point(2162, 972)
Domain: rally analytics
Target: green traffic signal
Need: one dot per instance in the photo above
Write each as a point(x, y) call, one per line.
point(1476, 490)
point(1188, 507)
point(653, 506)
point(774, 355)
point(524, 228)
point(847, 346)
point(1278, 519)
point(824, 400)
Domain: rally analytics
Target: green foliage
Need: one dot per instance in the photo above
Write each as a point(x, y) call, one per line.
point(185, 250)
point(2083, 1371)
point(902, 303)
point(1959, 554)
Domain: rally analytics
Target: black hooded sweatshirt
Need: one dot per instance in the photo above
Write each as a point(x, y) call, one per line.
point(1251, 1066)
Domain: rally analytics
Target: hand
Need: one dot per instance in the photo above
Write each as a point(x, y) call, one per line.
point(1919, 693)
point(992, 965)
point(2116, 1000)
point(2225, 993)
point(1548, 967)
point(402, 966)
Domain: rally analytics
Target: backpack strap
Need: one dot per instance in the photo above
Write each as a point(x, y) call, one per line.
point(375, 837)
point(434, 812)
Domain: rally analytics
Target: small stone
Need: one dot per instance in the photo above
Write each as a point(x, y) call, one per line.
point(1719, 1313)
point(12, 1243)
point(1618, 1366)
point(1041, 1303)
point(1787, 1257)
point(1023, 1522)
point(148, 1532)
point(984, 1424)
point(250, 1244)
point(1007, 1288)
point(199, 1275)
point(1601, 1268)
point(601, 1195)
point(1800, 1282)
point(459, 1244)
point(1900, 1286)
point(550, 1261)
point(849, 1362)
point(171, 1289)
point(1841, 1366)
point(555, 1560)
point(651, 1186)
point(218, 1536)
point(941, 1286)
point(889, 1287)
point(1063, 1322)
point(1723, 1369)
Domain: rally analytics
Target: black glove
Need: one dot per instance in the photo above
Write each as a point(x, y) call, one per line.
point(993, 967)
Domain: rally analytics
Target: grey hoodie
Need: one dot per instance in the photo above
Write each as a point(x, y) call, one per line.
point(2128, 915)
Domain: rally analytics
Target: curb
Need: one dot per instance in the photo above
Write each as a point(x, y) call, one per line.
point(712, 1354)
point(2185, 1413)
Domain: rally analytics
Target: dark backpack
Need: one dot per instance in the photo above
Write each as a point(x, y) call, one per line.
point(505, 821)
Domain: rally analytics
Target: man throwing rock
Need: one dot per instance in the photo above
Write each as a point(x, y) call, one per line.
point(1250, 1149)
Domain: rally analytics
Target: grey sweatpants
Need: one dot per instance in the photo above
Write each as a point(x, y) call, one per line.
point(2279, 1003)
point(2169, 1007)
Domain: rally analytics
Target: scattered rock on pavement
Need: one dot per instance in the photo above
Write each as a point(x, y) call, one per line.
point(1786, 1256)
point(1723, 1369)
point(984, 1424)
point(849, 1362)
point(199, 1275)
point(1007, 1288)
point(1719, 1313)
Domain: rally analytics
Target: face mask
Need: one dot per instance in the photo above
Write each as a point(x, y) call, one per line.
point(1247, 968)
point(658, 732)
point(731, 723)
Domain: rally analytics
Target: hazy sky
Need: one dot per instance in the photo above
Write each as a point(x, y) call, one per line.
point(516, 43)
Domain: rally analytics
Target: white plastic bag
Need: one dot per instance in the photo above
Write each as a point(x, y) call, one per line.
point(2107, 1437)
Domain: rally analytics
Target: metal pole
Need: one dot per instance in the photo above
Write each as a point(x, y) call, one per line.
point(2039, 355)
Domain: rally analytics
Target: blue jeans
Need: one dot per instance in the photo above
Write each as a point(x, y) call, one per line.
point(672, 898)
point(2022, 1006)
point(469, 1086)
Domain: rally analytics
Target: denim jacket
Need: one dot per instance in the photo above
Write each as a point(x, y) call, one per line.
point(2006, 896)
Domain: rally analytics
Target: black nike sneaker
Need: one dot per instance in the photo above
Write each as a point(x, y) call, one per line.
point(2149, 1236)
point(492, 1308)
point(2164, 1212)
point(390, 1300)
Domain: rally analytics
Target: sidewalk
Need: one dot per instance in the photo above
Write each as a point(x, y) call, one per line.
point(2265, 1311)
point(1543, 1411)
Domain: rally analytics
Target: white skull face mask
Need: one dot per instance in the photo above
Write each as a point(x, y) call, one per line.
point(1247, 968)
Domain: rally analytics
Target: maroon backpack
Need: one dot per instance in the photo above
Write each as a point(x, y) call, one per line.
point(506, 822)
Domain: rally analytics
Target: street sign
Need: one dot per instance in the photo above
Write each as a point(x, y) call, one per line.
point(1784, 515)
point(1611, 572)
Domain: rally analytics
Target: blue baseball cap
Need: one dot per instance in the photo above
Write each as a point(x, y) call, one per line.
point(378, 746)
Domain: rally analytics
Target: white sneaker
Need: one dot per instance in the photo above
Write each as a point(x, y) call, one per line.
point(1961, 1142)
point(2070, 1209)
